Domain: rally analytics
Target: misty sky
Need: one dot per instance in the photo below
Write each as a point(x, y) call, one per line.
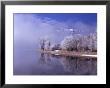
point(30, 28)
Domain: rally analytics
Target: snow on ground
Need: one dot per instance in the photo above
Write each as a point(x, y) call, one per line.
point(89, 55)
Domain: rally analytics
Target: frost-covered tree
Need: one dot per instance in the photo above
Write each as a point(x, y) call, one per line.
point(67, 43)
point(80, 43)
point(92, 42)
point(71, 42)
point(42, 44)
point(45, 44)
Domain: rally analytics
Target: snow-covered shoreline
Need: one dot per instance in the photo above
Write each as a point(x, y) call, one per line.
point(72, 53)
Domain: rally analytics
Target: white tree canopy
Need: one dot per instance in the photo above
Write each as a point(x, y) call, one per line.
point(78, 42)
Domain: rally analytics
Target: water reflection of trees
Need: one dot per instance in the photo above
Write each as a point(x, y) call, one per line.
point(44, 58)
point(80, 66)
point(73, 65)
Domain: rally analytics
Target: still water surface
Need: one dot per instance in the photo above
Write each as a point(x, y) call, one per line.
point(32, 62)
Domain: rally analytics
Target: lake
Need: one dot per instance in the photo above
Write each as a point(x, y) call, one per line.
point(29, 61)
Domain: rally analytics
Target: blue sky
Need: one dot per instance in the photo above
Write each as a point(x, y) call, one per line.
point(89, 18)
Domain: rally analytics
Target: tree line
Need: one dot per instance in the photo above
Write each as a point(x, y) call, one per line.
point(76, 42)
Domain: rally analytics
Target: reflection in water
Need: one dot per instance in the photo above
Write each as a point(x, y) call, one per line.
point(80, 66)
point(44, 58)
point(72, 65)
